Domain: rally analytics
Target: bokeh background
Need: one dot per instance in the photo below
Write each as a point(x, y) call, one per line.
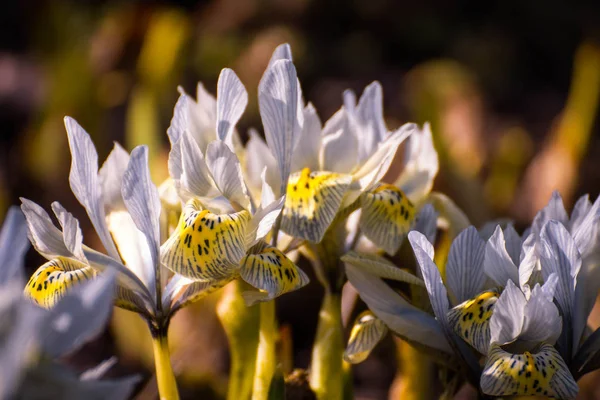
point(511, 90)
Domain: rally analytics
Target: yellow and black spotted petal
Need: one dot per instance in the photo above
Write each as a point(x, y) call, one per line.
point(52, 280)
point(205, 246)
point(127, 299)
point(270, 271)
point(197, 291)
point(471, 319)
point(543, 373)
point(368, 330)
point(387, 216)
point(313, 199)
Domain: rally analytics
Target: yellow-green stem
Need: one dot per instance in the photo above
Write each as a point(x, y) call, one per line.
point(165, 379)
point(265, 359)
point(326, 365)
point(241, 327)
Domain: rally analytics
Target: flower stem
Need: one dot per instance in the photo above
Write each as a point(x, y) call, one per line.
point(326, 365)
point(241, 327)
point(167, 386)
point(265, 359)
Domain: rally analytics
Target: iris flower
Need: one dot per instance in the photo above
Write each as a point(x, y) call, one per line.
point(125, 209)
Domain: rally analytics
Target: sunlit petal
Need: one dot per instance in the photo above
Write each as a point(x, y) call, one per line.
point(368, 330)
point(471, 319)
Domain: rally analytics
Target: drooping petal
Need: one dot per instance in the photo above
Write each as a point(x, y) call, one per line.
point(13, 246)
point(84, 181)
point(270, 271)
point(506, 322)
point(281, 113)
point(51, 281)
point(543, 373)
point(498, 263)
point(368, 330)
point(206, 246)
point(471, 319)
point(379, 266)
point(80, 316)
point(195, 291)
point(143, 203)
point(542, 322)
point(306, 153)
point(399, 315)
point(312, 201)
point(465, 274)
point(72, 236)
point(421, 165)
point(45, 237)
point(111, 177)
point(232, 100)
point(227, 173)
point(387, 216)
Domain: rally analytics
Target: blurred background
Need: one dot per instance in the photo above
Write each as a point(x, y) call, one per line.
point(511, 90)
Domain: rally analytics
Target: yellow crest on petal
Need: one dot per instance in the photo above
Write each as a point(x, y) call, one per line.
point(272, 272)
point(368, 330)
point(312, 201)
point(471, 319)
point(206, 246)
point(387, 216)
point(50, 282)
point(543, 373)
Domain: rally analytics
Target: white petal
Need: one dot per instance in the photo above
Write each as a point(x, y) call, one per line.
point(195, 178)
point(72, 236)
point(202, 117)
point(421, 165)
point(13, 246)
point(498, 264)
point(306, 153)
point(227, 173)
point(342, 142)
point(84, 181)
point(111, 176)
point(380, 267)
point(451, 216)
point(179, 122)
point(259, 157)
point(143, 203)
point(554, 210)
point(580, 210)
point(369, 118)
point(542, 322)
point(426, 222)
point(80, 316)
point(528, 260)
point(263, 221)
point(431, 275)
point(586, 232)
point(281, 113)
point(282, 52)
point(513, 243)
point(232, 100)
point(507, 320)
point(465, 275)
point(45, 237)
point(400, 316)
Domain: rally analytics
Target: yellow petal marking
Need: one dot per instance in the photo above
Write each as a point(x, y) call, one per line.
point(543, 373)
point(271, 271)
point(206, 246)
point(368, 330)
point(51, 281)
point(471, 319)
point(387, 216)
point(313, 199)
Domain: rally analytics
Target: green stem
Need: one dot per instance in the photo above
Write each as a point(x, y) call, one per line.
point(265, 360)
point(326, 365)
point(165, 379)
point(241, 327)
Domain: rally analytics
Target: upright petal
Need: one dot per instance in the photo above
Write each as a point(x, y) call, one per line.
point(498, 264)
point(386, 217)
point(259, 157)
point(206, 246)
point(45, 237)
point(282, 52)
point(263, 221)
point(341, 142)
point(369, 118)
point(85, 183)
point(512, 243)
point(281, 113)
point(312, 201)
point(72, 236)
point(426, 222)
point(368, 330)
point(13, 246)
point(306, 153)
point(111, 177)
point(586, 233)
point(232, 100)
point(465, 274)
point(143, 203)
point(227, 173)
point(270, 271)
point(580, 211)
point(542, 322)
point(543, 373)
point(421, 164)
point(195, 177)
point(555, 210)
point(507, 320)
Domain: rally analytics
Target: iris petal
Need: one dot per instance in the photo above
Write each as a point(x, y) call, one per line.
point(368, 330)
